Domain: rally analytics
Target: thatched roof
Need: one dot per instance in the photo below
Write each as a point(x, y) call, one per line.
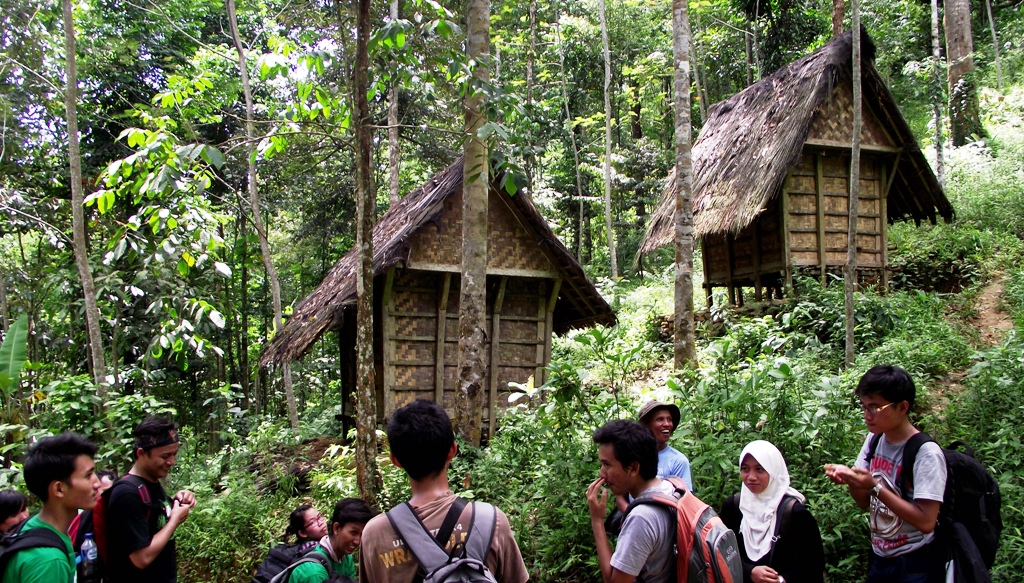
point(751, 140)
point(579, 303)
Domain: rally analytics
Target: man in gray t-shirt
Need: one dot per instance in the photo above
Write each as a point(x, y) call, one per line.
point(629, 465)
point(902, 523)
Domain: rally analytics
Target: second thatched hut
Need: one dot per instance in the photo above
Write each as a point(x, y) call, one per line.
point(771, 172)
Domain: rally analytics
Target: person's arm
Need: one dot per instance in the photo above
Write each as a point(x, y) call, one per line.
point(54, 567)
point(597, 503)
point(921, 514)
point(145, 556)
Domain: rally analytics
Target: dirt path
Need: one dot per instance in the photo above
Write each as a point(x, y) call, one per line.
point(992, 322)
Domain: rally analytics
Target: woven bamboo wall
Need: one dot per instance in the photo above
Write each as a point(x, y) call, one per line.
point(833, 122)
point(415, 365)
point(753, 255)
point(817, 211)
point(509, 246)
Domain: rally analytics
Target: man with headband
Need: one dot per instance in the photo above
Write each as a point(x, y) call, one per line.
point(141, 520)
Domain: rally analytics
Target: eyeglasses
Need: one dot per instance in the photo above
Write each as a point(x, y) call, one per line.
point(875, 409)
point(318, 519)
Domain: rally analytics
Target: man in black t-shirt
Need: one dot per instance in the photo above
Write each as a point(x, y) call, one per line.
point(141, 520)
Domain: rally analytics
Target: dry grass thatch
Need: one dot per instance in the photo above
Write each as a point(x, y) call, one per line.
point(751, 140)
point(579, 303)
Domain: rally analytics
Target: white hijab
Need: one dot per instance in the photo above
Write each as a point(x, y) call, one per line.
point(758, 524)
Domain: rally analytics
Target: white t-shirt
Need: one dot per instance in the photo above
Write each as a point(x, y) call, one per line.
point(891, 536)
point(645, 542)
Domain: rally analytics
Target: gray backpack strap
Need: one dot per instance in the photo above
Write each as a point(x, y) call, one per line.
point(481, 532)
point(425, 548)
point(310, 557)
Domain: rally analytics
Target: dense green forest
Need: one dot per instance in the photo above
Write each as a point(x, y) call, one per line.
point(186, 307)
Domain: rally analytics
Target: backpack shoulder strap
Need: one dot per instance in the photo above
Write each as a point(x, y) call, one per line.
point(140, 485)
point(481, 534)
point(16, 540)
point(910, 449)
point(424, 548)
point(872, 448)
point(310, 557)
point(783, 521)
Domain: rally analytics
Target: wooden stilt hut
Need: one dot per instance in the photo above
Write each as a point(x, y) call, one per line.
point(534, 288)
point(771, 174)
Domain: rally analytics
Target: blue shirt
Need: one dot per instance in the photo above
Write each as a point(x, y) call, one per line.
point(672, 463)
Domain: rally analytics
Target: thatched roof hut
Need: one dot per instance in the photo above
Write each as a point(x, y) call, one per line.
point(535, 288)
point(787, 136)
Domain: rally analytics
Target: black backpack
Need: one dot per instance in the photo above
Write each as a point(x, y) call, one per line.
point(279, 558)
point(310, 556)
point(969, 520)
point(14, 541)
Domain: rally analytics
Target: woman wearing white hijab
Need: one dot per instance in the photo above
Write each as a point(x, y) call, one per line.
point(779, 538)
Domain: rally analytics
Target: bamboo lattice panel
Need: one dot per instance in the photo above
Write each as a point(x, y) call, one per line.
point(804, 215)
point(833, 121)
point(509, 246)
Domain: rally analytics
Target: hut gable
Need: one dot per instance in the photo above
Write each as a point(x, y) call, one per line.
point(510, 246)
point(751, 141)
point(422, 232)
point(833, 122)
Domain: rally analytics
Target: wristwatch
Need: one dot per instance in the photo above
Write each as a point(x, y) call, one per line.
point(876, 489)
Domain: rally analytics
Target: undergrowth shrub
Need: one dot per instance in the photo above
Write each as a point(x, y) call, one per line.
point(944, 258)
point(989, 415)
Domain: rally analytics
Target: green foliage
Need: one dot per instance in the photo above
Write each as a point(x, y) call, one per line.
point(12, 355)
point(988, 415)
point(72, 404)
point(945, 258)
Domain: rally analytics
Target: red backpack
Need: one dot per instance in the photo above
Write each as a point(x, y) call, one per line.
point(95, 520)
point(706, 550)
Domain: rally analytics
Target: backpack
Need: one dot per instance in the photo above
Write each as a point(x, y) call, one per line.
point(14, 541)
point(969, 519)
point(308, 557)
point(95, 520)
point(465, 563)
point(279, 558)
point(706, 550)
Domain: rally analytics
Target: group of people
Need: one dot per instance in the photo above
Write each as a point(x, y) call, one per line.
point(140, 518)
point(778, 538)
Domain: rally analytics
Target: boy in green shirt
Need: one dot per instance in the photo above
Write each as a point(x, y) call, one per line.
point(342, 539)
point(60, 471)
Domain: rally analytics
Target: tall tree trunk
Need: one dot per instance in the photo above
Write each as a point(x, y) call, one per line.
point(572, 135)
point(850, 280)
point(244, 372)
point(748, 43)
point(367, 475)
point(995, 44)
point(531, 57)
point(837, 18)
point(92, 311)
point(698, 70)
point(685, 348)
point(609, 227)
point(940, 166)
point(394, 163)
point(476, 180)
point(964, 122)
point(252, 179)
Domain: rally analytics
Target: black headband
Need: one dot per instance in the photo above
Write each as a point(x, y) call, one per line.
point(148, 442)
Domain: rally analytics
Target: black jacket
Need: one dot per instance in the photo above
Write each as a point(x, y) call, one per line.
point(798, 555)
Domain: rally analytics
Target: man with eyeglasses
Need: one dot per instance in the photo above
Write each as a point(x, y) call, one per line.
point(902, 523)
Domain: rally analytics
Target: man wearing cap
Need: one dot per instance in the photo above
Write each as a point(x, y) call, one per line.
point(662, 419)
point(141, 520)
